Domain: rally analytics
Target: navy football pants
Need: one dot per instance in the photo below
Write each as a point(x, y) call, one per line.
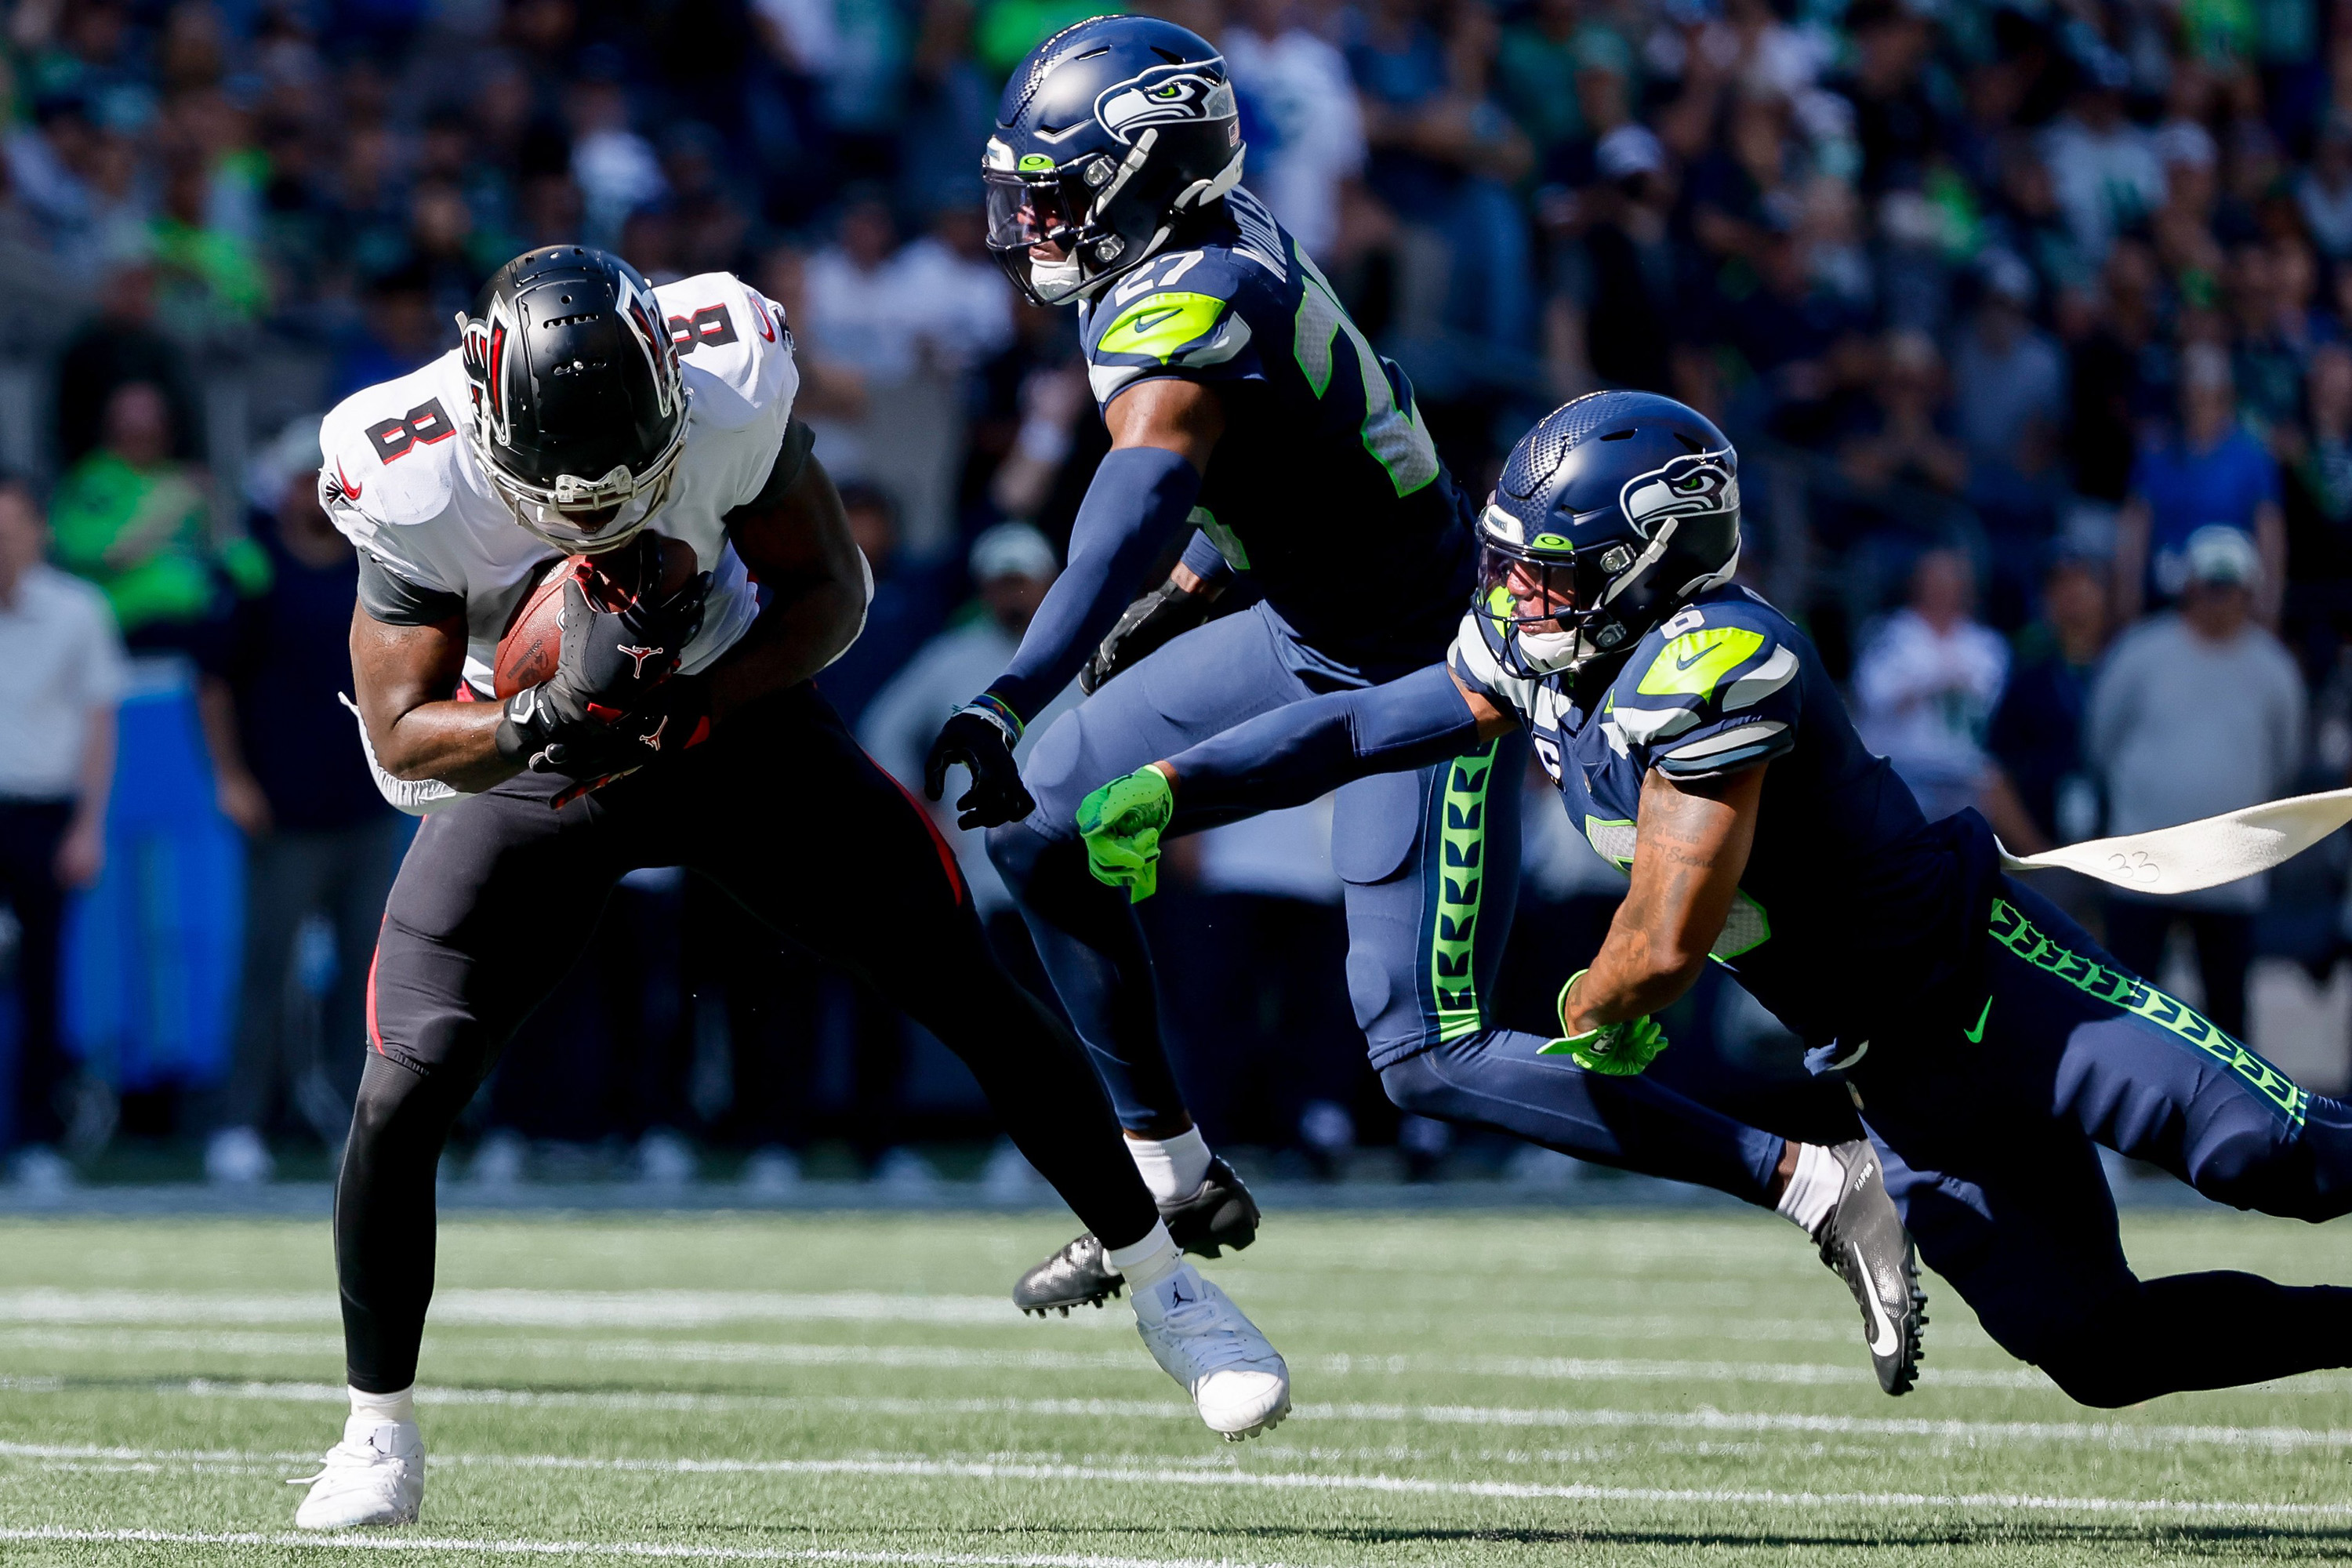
point(1987, 1125)
point(1430, 864)
point(499, 894)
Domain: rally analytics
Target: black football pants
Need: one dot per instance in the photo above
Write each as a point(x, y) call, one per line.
point(499, 894)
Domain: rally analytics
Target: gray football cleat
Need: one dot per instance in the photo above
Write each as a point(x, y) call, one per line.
point(1864, 1244)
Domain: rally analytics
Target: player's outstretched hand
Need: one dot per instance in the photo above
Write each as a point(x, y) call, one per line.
point(1142, 628)
point(1621, 1050)
point(981, 735)
point(1121, 824)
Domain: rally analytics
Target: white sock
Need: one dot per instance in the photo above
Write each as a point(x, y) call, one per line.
point(1813, 1191)
point(1173, 1168)
point(400, 1406)
point(1148, 1261)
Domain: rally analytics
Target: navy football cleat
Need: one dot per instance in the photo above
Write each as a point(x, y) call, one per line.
point(1220, 1214)
point(1864, 1244)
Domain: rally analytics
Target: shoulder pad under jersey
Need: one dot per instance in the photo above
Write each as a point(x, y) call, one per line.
point(1711, 690)
point(734, 349)
point(1186, 315)
point(389, 455)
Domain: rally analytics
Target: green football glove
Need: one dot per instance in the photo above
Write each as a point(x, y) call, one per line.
point(1621, 1050)
point(1121, 824)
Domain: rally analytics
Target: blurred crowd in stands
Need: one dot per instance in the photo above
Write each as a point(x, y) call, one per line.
point(2033, 319)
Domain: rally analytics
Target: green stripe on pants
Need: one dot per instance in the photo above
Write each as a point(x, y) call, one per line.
point(1461, 876)
point(2024, 938)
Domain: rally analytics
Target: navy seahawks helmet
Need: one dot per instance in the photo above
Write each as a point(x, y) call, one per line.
point(1611, 513)
point(1111, 133)
point(579, 408)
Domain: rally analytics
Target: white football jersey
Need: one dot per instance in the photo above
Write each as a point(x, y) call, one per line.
point(401, 483)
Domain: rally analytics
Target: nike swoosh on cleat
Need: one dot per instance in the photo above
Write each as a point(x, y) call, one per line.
point(1976, 1036)
point(1883, 1337)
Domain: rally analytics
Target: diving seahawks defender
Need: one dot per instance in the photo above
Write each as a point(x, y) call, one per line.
point(1987, 1042)
point(584, 407)
point(1241, 400)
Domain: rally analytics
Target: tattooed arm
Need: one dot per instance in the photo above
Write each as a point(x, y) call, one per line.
point(1690, 845)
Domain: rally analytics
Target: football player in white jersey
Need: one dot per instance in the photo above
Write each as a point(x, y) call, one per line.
point(584, 408)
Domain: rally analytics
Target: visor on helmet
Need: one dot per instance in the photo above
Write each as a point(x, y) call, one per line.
point(582, 516)
point(1531, 597)
point(1521, 588)
point(1023, 212)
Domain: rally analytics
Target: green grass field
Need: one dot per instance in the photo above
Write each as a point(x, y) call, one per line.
point(1514, 1388)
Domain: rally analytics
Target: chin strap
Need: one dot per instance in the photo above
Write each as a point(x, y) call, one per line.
point(2203, 853)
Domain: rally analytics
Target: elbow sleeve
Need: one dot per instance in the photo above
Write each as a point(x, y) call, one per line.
point(417, 797)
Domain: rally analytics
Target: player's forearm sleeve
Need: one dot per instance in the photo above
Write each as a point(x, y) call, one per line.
point(1304, 750)
point(1139, 497)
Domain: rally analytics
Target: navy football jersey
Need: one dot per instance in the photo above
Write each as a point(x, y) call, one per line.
point(1324, 488)
point(1853, 907)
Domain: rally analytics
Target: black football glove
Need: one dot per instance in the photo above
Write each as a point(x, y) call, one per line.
point(981, 735)
point(613, 655)
point(604, 743)
point(1166, 612)
point(594, 715)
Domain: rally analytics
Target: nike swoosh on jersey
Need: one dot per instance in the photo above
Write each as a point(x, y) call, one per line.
point(1881, 1328)
point(350, 488)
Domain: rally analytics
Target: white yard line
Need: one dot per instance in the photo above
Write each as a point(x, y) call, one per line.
point(1974, 1434)
point(317, 1542)
point(2120, 1434)
point(517, 1307)
point(683, 1308)
point(954, 1358)
point(752, 1352)
point(1127, 1474)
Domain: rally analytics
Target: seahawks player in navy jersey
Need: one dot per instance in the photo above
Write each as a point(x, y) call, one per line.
point(1242, 402)
point(1988, 1044)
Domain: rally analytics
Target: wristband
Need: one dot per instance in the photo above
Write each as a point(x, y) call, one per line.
point(999, 712)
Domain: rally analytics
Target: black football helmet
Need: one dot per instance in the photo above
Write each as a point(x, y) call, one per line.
point(579, 408)
point(1611, 512)
point(1110, 134)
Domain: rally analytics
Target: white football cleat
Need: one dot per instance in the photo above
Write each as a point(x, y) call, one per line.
point(374, 1475)
point(1237, 1381)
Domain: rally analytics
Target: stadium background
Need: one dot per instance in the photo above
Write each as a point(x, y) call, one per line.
point(1952, 274)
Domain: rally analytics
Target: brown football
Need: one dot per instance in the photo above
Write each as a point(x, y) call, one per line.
point(533, 640)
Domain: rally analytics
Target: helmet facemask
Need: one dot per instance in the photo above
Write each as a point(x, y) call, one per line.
point(1110, 208)
point(1532, 594)
point(1025, 211)
point(582, 516)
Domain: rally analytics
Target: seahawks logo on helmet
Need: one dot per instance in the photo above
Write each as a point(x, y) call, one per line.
point(1165, 95)
point(1700, 485)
